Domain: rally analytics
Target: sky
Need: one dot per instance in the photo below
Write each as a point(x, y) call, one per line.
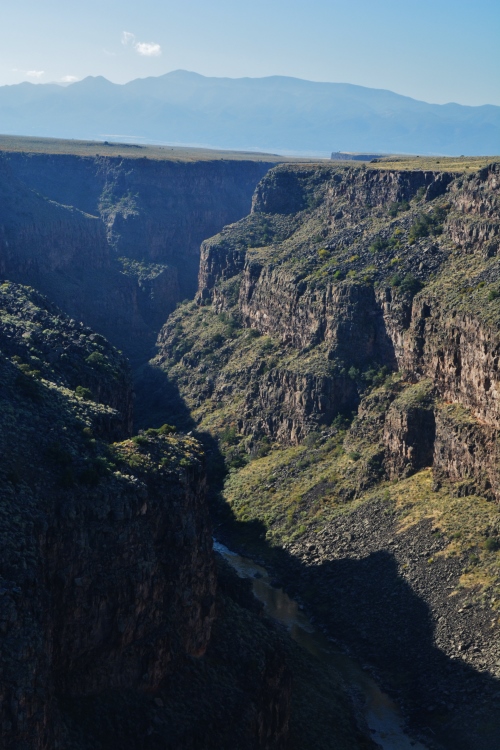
point(435, 50)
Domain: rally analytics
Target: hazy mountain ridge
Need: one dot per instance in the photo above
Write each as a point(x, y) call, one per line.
point(276, 113)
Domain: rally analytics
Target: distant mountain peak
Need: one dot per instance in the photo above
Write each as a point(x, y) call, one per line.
point(277, 114)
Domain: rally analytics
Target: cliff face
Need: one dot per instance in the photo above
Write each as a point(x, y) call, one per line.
point(107, 575)
point(350, 270)
point(343, 349)
point(115, 242)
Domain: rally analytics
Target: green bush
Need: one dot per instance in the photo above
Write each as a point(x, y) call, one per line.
point(396, 208)
point(354, 373)
point(229, 436)
point(426, 224)
point(410, 284)
point(140, 440)
point(421, 227)
point(266, 344)
point(84, 393)
point(378, 244)
point(492, 544)
point(165, 429)
point(96, 359)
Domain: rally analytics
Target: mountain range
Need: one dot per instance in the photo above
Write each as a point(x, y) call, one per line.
point(276, 113)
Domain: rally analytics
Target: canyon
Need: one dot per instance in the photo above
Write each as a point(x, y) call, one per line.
point(115, 241)
point(323, 393)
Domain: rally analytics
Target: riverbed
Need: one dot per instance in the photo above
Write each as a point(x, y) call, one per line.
point(381, 715)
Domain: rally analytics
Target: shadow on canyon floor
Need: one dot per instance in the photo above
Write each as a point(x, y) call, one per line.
point(367, 606)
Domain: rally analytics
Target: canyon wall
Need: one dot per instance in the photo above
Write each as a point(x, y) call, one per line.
point(114, 241)
point(344, 272)
point(107, 573)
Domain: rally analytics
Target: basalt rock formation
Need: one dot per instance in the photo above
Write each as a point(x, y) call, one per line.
point(337, 273)
point(116, 627)
point(106, 563)
point(343, 349)
point(114, 241)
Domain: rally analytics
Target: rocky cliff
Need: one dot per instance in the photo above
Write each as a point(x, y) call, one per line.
point(343, 349)
point(345, 272)
point(115, 241)
point(107, 575)
point(116, 626)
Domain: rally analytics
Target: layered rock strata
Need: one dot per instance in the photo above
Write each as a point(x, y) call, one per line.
point(346, 271)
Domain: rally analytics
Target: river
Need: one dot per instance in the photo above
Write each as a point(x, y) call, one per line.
point(381, 714)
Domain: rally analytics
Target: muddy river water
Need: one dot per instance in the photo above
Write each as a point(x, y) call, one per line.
point(381, 714)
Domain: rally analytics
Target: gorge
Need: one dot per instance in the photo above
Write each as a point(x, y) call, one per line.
point(326, 392)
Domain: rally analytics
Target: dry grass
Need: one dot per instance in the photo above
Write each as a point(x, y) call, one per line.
point(35, 145)
point(435, 163)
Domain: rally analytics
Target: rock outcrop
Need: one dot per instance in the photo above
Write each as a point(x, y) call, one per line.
point(107, 574)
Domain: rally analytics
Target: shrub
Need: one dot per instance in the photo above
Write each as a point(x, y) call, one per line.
point(378, 244)
point(427, 224)
point(353, 373)
point(216, 341)
point(420, 228)
point(395, 208)
point(375, 376)
point(492, 544)
point(323, 253)
point(493, 294)
point(140, 440)
point(236, 460)
point(395, 280)
point(410, 284)
point(84, 393)
point(312, 439)
point(229, 436)
point(266, 344)
point(96, 359)
point(167, 429)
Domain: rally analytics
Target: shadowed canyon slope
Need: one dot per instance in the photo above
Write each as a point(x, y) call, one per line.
point(115, 242)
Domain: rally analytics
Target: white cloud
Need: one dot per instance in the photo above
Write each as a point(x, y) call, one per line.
point(146, 49)
point(29, 73)
point(68, 79)
point(127, 38)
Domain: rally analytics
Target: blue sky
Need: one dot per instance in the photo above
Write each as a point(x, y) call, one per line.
point(435, 50)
